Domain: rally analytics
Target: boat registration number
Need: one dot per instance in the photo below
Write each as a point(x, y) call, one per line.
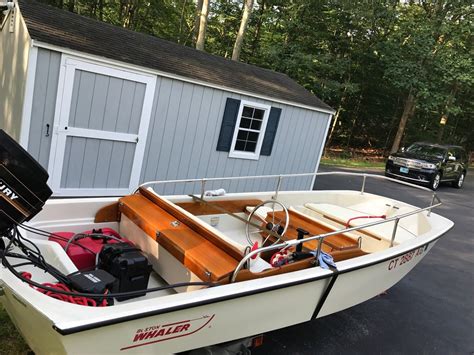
point(405, 258)
point(404, 170)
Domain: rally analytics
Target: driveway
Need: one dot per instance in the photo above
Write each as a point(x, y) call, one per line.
point(431, 311)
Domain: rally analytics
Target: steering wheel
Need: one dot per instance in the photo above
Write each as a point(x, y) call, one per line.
point(276, 225)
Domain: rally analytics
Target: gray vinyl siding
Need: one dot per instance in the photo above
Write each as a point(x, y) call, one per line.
point(182, 135)
point(184, 130)
point(44, 102)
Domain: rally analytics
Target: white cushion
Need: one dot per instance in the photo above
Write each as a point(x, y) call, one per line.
point(343, 214)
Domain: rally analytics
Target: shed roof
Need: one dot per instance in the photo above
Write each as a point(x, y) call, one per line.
point(61, 28)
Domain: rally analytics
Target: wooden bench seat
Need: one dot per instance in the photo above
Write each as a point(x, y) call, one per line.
point(336, 242)
point(192, 249)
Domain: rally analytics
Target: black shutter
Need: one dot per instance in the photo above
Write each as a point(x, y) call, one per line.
point(270, 132)
point(228, 124)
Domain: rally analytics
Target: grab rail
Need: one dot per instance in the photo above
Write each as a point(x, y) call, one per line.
point(320, 237)
point(280, 177)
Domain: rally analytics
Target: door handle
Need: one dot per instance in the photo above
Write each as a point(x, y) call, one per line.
point(47, 130)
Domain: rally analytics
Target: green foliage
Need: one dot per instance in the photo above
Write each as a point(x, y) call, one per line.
point(363, 58)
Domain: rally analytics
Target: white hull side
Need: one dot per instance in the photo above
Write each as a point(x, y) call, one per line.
point(229, 319)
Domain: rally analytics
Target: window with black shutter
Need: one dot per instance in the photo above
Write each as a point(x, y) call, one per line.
point(248, 129)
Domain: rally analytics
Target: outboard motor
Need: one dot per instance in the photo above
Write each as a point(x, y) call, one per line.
point(23, 188)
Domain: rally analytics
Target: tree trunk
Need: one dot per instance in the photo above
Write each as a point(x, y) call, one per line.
point(333, 126)
point(449, 102)
point(258, 28)
point(197, 20)
point(408, 111)
point(181, 21)
point(248, 4)
point(70, 5)
point(101, 10)
point(441, 128)
point(202, 25)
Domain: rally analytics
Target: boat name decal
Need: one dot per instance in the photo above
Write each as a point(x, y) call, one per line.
point(394, 263)
point(161, 332)
point(7, 191)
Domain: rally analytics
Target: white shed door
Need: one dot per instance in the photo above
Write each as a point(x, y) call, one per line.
point(101, 120)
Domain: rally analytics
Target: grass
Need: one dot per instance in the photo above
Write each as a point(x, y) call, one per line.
point(11, 341)
point(353, 163)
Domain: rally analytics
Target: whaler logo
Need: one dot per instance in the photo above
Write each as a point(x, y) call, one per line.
point(7, 191)
point(162, 332)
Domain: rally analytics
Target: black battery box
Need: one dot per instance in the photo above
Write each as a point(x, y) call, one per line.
point(128, 265)
point(95, 281)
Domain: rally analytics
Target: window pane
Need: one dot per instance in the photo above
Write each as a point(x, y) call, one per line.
point(252, 137)
point(242, 135)
point(258, 114)
point(256, 124)
point(247, 111)
point(245, 123)
point(250, 147)
point(240, 145)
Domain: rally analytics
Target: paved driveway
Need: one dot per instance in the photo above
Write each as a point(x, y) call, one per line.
point(431, 311)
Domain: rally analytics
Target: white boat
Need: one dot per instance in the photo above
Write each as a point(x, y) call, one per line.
point(190, 239)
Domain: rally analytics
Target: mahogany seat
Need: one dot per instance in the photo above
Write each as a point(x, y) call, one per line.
point(202, 257)
point(336, 242)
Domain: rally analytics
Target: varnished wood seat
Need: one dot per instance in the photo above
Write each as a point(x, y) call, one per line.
point(338, 242)
point(201, 256)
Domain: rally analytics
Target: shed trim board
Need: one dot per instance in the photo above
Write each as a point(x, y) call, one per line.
point(61, 130)
point(28, 100)
point(136, 68)
point(321, 150)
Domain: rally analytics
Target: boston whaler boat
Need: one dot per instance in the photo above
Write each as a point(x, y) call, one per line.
point(146, 273)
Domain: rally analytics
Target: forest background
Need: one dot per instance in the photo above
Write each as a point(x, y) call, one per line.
point(395, 71)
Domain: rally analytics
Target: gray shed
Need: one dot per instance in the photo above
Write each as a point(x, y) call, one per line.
point(103, 108)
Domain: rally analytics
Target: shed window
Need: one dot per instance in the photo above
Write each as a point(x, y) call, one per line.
point(249, 130)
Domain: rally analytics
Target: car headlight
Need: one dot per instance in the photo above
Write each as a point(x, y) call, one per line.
point(390, 157)
point(428, 166)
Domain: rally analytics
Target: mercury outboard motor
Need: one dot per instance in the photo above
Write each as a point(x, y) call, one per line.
point(23, 188)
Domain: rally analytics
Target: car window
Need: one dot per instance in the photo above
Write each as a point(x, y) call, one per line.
point(457, 154)
point(427, 150)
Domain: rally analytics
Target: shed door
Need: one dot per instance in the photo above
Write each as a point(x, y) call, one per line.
point(101, 119)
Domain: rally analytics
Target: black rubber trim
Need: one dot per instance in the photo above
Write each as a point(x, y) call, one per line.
point(325, 296)
point(82, 328)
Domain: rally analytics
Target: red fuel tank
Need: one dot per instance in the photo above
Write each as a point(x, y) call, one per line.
point(83, 247)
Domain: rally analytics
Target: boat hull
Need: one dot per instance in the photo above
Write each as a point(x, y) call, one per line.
point(222, 314)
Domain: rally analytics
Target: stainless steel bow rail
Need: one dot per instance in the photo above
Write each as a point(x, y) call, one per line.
point(320, 237)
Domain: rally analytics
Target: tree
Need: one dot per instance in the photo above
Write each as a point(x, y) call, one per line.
point(390, 69)
point(248, 4)
point(197, 20)
point(414, 53)
point(202, 25)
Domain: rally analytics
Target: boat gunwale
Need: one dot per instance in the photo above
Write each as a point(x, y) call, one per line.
point(223, 298)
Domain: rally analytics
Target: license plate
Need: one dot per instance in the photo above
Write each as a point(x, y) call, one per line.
point(404, 170)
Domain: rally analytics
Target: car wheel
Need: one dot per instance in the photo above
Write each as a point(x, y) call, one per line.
point(459, 181)
point(434, 183)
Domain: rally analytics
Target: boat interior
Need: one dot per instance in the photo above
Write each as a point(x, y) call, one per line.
point(192, 238)
point(188, 238)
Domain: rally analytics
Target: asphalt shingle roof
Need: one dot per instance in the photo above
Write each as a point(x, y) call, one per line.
point(65, 29)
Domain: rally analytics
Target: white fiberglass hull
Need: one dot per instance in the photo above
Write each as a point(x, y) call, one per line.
point(220, 314)
point(188, 320)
